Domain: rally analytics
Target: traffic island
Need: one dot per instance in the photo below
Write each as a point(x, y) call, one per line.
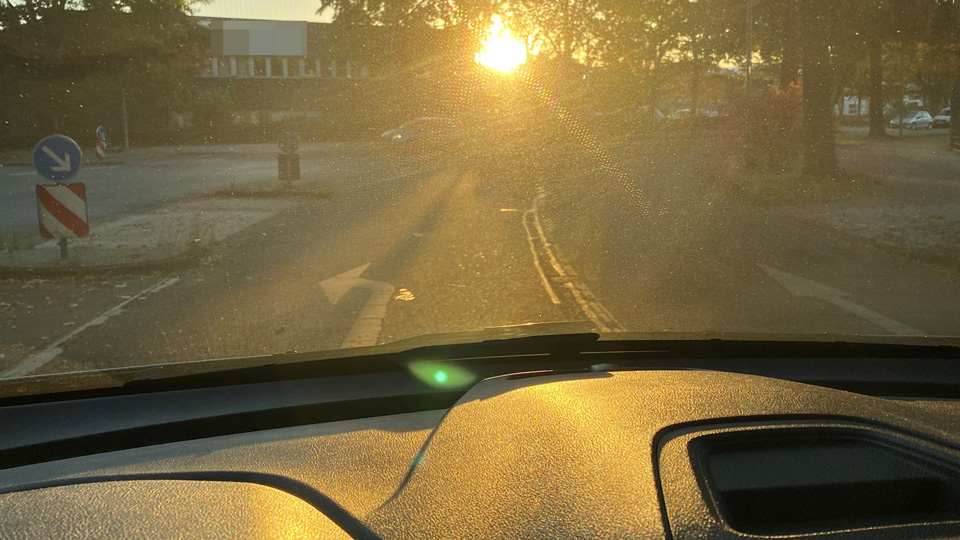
point(273, 190)
point(171, 238)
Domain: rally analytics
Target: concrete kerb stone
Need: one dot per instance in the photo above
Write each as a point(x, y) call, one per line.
point(182, 261)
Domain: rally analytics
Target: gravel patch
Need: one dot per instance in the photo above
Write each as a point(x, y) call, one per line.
point(906, 226)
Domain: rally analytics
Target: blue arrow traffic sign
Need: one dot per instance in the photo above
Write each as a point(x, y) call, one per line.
point(57, 157)
point(102, 133)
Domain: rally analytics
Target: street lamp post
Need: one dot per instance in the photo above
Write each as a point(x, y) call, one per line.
point(749, 51)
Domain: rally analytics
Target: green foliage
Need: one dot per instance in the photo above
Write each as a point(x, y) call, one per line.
point(212, 110)
point(768, 126)
point(65, 63)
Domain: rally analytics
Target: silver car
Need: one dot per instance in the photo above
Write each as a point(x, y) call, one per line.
point(424, 130)
point(914, 120)
point(942, 120)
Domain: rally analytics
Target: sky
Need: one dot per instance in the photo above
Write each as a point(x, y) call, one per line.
point(280, 10)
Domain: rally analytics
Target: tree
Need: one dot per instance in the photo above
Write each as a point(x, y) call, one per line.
point(938, 55)
point(875, 23)
point(70, 59)
point(819, 150)
point(790, 56)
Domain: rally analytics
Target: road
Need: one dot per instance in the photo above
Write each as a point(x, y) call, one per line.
point(921, 166)
point(632, 238)
point(147, 177)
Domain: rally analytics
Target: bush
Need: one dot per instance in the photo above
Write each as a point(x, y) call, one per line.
point(768, 128)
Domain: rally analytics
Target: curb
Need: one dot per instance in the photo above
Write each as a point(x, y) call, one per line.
point(84, 164)
point(183, 261)
point(266, 194)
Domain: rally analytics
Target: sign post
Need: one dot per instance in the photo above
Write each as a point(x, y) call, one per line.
point(954, 121)
point(61, 208)
point(288, 161)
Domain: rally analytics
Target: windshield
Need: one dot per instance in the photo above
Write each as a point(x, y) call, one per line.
point(185, 180)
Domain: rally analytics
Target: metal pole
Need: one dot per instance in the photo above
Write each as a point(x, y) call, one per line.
point(126, 128)
point(749, 50)
point(903, 77)
point(63, 249)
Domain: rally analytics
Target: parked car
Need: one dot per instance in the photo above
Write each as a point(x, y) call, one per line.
point(914, 120)
point(942, 120)
point(425, 131)
point(681, 114)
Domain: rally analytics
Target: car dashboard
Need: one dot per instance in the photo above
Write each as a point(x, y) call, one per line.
point(667, 449)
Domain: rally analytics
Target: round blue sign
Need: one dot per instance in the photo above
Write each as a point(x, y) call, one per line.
point(102, 133)
point(57, 157)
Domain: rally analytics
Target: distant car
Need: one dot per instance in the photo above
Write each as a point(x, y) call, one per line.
point(424, 131)
point(914, 120)
point(942, 120)
point(681, 114)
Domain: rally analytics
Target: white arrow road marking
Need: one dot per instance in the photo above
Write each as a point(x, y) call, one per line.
point(365, 331)
point(800, 286)
point(39, 359)
point(63, 165)
point(339, 285)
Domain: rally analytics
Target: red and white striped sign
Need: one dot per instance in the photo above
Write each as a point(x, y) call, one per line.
point(62, 209)
point(101, 150)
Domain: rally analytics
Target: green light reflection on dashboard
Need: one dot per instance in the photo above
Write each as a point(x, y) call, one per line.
point(441, 375)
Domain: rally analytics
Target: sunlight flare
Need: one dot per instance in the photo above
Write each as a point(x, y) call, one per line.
point(500, 50)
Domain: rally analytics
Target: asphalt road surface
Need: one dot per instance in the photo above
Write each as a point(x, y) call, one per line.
point(147, 177)
point(635, 238)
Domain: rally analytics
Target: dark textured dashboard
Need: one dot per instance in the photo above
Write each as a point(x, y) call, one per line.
point(607, 454)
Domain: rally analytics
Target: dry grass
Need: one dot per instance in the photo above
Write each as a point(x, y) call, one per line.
point(781, 188)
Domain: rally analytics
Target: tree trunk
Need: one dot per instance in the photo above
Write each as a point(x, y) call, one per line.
point(819, 149)
point(875, 53)
point(654, 88)
point(791, 47)
point(695, 79)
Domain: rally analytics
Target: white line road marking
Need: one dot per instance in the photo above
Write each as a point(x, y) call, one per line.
point(536, 259)
point(588, 302)
point(39, 359)
point(546, 244)
point(24, 173)
point(800, 286)
point(339, 285)
point(365, 331)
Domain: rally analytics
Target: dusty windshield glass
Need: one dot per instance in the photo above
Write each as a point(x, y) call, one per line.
point(183, 181)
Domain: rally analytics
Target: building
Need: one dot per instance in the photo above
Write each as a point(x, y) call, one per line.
point(243, 48)
point(855, 106)
point(331, 80)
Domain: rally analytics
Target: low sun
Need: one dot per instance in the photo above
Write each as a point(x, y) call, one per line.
point(500, 50)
